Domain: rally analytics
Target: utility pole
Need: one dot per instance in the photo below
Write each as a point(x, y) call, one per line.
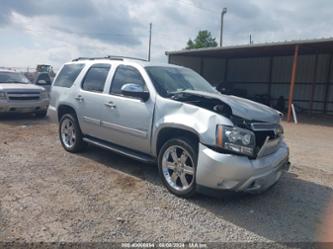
point(224, 11)
point(149, 47)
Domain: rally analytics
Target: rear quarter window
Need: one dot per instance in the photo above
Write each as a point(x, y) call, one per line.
point(68, 75)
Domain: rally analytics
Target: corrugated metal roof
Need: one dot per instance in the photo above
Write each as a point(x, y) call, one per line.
point(284, 47)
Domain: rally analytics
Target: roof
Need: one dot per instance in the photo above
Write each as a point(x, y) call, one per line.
point(324, 45)
point(108, 59)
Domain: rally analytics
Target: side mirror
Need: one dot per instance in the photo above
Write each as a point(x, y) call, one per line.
point(135, 90)
point(42, 82)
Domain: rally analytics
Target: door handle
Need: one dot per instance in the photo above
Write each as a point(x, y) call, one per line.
point(110, 104)
point(79, 98)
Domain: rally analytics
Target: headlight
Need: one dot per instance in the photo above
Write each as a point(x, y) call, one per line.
point(3, 95)
point(44, 95)
point(236, 139)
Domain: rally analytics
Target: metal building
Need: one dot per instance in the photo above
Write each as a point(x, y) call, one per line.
point(299, 71)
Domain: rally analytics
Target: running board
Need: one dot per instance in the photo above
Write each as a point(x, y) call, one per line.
point(120, 150)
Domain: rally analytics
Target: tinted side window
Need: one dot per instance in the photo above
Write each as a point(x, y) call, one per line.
point(125, 75)
point(95, 78)
point(68, 75)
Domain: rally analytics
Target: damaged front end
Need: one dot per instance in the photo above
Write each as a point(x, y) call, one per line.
point(256, 133)
point(248, 153)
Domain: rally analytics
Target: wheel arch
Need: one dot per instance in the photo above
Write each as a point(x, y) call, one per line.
point(64, 109)
point(168, 132)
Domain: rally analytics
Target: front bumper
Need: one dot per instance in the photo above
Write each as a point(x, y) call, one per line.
point(23, 106)
point(239, 173)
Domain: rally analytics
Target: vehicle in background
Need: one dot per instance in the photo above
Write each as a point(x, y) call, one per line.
point(42, 68)
point(170, 115)
point(18, 95)
point(44, 80)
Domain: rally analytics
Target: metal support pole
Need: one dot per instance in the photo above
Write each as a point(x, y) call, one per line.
point(292, 82)
point(314, 81)
point(224, 11)
point(149, 47)
point(202, 66)
point(328, 83)
point(270, 79)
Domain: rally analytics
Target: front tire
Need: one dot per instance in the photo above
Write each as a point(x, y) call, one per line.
point(177, 161)
point(70, 133)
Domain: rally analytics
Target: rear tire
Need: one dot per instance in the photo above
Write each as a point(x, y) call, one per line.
point(177, 162)
point(70, 133)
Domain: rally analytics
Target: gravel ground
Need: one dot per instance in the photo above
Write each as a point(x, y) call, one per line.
point(47, 194)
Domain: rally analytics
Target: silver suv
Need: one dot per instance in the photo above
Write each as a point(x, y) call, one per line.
point(18, 95)
point(170, 115)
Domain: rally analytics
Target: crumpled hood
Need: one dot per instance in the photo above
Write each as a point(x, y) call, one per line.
point(244, 108)
point(14, 86)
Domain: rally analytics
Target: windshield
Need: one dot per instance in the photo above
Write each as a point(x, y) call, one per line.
point(13, 77)
point(171, 80)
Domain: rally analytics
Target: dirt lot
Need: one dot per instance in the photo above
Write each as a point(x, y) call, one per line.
point(47, 194)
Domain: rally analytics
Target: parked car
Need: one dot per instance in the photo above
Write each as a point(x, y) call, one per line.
point(170, 115)
point(18, 95)
point(44, 80)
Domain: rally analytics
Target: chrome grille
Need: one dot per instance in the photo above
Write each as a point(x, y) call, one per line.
point(265, 126)
point(23, 95)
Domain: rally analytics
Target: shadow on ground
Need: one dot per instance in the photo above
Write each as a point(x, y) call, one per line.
point(16, 119)
point(292, 206)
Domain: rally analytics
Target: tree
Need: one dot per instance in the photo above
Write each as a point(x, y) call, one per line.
point(204, 39)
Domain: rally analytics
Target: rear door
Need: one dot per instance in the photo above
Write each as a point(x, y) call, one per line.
point(90, 99)
point(127, 121)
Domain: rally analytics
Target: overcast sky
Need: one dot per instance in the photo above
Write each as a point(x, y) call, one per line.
point(55, 31)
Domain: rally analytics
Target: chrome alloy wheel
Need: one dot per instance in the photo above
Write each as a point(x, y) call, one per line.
point(68, 133)
point(178, 168)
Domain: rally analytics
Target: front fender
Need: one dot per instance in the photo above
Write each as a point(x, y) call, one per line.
point(174, 114)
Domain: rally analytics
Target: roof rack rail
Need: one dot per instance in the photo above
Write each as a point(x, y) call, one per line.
point(115, 57)
point(109, 57)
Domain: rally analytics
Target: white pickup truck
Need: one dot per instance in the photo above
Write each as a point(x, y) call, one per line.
point(18, 95)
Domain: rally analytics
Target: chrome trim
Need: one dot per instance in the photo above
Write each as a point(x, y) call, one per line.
point(178, 168)
point(23, 95)
point(264, 126)
point(120, 128)
point(92, 120)
point(18, 92)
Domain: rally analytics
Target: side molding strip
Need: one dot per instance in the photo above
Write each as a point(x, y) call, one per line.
point(134, 132)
